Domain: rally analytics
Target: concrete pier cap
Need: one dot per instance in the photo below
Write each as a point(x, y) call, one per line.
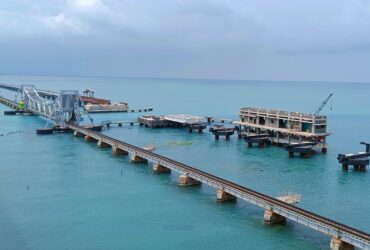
point(338, 244)
point(159, 169)
point(270, 217)
point(117, 151)
point(223, 196)
point(78, 134)
point(89, 138)
point(102, 144)
point(137, 159)
point(185, 180)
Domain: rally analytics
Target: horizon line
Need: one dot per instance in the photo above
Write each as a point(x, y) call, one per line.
point(183, 78)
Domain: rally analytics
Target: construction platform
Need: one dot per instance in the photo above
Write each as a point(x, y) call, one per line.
point(221, 130)
point(152, 121)
point(298, 132)
point(185, 119)
point(100, 105)
point(359, 160)
point(192, 122)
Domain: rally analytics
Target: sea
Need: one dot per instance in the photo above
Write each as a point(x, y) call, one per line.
point(59, 192)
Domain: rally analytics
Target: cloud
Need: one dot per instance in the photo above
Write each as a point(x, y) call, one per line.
point(61, 23)
point(191, 38)
point(284, 27)
point(85, 4)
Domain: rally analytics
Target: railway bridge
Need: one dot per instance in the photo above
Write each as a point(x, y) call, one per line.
point(64, 108)
point(276, 211)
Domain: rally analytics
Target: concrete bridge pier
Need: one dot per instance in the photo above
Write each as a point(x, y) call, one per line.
point(185, 181)
point(338, 244)
point(137, 159)
point(78, 134)
point(222, 196)
point(102, 144)
point(117, 151)
point(345, 167)
point(89, 138)
point(362, 168)
point(270, 217)
point(306, 155)
point(159, 169)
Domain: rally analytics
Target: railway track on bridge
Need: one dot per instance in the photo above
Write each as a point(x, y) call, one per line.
point(268, 200)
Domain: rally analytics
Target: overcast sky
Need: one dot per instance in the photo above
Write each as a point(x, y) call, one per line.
point(218, 39)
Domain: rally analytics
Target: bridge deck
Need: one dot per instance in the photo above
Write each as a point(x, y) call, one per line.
point(332, 228)
point(8, 103)
point(42, 93)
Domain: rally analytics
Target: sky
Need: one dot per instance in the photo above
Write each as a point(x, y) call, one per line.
point(307, 40)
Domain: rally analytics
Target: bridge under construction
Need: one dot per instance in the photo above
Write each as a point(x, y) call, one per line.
point(65, 110)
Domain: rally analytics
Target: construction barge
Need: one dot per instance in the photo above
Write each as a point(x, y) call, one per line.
point(297, 132)
point(100, 105)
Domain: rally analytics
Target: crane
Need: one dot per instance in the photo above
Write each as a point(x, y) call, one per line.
point(322, 105)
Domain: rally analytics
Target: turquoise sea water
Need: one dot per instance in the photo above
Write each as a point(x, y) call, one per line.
point(78, 198)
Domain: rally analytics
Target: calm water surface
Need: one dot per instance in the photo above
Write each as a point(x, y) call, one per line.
point(57, 192)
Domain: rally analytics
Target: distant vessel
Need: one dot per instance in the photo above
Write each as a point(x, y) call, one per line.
point(99, 105)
